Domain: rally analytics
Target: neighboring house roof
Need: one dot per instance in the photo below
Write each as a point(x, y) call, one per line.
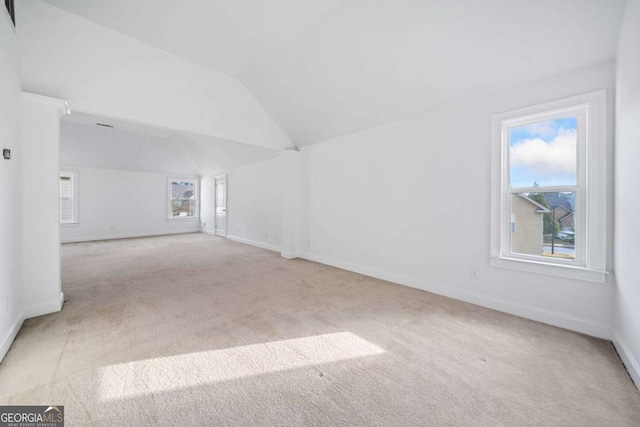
point(541, 208)
point(181, 191)
point(559, 200)
point(562, 218)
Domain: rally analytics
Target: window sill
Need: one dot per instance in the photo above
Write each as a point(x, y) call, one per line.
point(70, 224)
point(184, 218)
point(558, 270)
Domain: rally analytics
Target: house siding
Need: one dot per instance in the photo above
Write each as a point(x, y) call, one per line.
point(566, 222)
point(527, 237)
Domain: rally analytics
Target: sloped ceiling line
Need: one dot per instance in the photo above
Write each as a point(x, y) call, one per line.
point(326, 68)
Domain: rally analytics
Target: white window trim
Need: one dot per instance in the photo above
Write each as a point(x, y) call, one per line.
point(74, 183)
point(590, 264)
point(196, 215)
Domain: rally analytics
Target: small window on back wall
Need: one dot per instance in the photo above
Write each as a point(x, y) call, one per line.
point(183, 198)
point(548, 199)
point(68, 198)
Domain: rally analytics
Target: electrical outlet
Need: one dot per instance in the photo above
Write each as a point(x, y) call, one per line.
point(473, 274)
point(204, 224)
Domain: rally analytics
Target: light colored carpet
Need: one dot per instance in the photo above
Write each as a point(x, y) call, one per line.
point(196, 330)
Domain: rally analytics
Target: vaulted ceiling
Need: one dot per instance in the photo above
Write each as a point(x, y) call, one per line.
point(325, 68)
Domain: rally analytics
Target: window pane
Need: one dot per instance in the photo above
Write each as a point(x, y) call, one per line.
point(66, 199)
point(543, 153)
point(66, 188)
point(542, 224)
point(183, 198)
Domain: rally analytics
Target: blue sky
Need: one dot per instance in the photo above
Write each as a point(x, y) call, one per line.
point(544, 152)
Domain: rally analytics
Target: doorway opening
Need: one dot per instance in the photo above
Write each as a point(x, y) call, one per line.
point(221, 205)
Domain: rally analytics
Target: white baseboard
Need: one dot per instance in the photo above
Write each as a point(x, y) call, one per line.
point(11, 335)
point(262, 245)
point(289, 255)
point(275, 248)
point(48, 307)
point(554, 318)
point(29, 312)
point(630, 362)
point(125, 236)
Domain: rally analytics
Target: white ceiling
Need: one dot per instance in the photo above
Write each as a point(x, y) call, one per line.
point(118, 124)
point(326, 68)
point(138, 147)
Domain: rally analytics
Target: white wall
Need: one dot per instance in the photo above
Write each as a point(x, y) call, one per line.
point(255, 196)
point(626, 320)
point(122, 182)
point(291, 169)
point(39, 204)
point(10, 320)
point(410, 202)
point(263, 203)
point(106, 73)
point(117, 203)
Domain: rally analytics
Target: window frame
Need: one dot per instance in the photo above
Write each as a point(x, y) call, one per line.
point(590, 212)
point(196, 209)
point(74, 205)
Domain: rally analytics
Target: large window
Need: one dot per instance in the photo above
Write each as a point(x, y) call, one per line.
point(183, 198)
point(548, 207)
point(68, 192)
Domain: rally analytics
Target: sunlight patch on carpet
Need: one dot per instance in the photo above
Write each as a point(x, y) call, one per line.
point(143, 377)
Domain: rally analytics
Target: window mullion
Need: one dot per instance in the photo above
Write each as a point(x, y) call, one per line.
point(567, 189)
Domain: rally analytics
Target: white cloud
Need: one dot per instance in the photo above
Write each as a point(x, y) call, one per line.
point(547, 159)
point(542, 129)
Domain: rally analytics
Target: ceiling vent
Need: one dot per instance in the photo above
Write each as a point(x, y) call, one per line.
point(104, 125)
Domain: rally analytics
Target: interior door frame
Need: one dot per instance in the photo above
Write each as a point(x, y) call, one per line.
point(226, 204)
